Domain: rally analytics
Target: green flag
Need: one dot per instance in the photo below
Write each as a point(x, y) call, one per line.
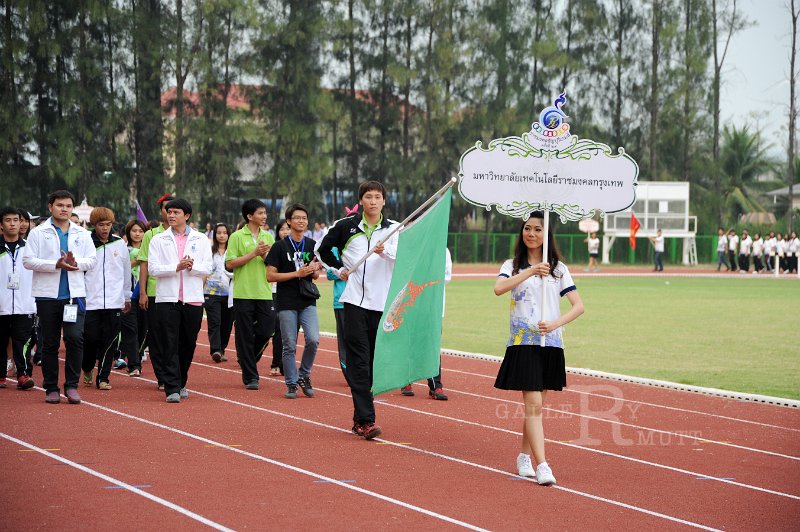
point(410, 333)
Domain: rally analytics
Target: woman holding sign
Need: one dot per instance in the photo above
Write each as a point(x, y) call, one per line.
point(528, 366)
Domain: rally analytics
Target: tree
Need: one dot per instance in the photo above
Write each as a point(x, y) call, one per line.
point(795, 12)
point(742, 160)
point(183, 57)
point(728, 22)
point(148, 44)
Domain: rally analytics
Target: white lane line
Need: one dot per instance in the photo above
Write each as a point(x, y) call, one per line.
point(259, 457)
point(606, 420)
point(655, 405)
point(121, 484)
point(450, 370)
point(566, 444)
point(381, 440)
point(610, 421)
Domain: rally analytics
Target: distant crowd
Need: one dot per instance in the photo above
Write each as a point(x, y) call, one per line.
point(764, 254)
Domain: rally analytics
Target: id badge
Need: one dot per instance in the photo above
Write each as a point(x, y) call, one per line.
point(13, 281)
point(298, 260)
point(70, 313)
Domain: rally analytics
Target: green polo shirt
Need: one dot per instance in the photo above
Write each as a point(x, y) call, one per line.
point(249, 280)
point(143, 253)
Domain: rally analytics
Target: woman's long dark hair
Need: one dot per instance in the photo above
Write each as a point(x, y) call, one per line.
point(521, 250)
point(214, 242)
point(130, 225)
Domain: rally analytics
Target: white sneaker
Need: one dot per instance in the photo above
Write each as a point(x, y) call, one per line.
point(544, 475)
point(524, 466)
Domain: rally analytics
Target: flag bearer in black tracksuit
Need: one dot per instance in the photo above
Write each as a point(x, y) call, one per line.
point(108, 295)
point(364, 297)
point(17, 305)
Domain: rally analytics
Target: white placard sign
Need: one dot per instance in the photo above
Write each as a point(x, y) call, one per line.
point(548, 168)
point(589, 225)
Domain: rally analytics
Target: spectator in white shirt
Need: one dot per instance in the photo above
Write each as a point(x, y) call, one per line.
point(658, 244)
point(758, 250)
point(793, 252)
point(744, 252)
point(733, 247)
point(769, 250)
point(722, 247)
point(594, 250)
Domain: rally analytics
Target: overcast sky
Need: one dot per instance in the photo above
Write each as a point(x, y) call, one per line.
point(755, 88)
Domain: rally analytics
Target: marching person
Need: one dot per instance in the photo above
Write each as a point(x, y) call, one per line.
point(527, 366)
point(658, 247)
point(758, 252)
point(108, 295)
point(216, 291)
point(722, 247)
point(179, 258)
point(17, 305)
point(291, 264)
point(780, 251)
point(59, 252)
point(793, 244)
point(594, 250)
point(744, 252)
point(733, 248)
point(338, 314)
point(134, 322)
point(770, 245)
point(365, 294)
point(276, 366)
point(147, 288)
point(253, 310)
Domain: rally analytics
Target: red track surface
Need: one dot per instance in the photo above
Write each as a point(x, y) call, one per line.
point(625, 455)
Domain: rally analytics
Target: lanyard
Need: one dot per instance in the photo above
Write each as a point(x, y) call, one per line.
point(298, 248)
point(13, 255)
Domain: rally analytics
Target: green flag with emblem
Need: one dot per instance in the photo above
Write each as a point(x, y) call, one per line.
point(409, 337)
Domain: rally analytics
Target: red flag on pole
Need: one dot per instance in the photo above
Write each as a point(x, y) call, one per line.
point(635, 225)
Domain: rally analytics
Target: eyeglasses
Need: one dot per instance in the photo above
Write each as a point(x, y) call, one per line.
point(299, 218)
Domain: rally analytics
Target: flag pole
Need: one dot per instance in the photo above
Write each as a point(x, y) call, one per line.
point(544, 259)
point(408, 218)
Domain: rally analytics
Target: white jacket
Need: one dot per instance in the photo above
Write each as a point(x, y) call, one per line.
point(108, 285)
point(163, 260)
point(43, 250)
point(368, 285)
point(15, 301)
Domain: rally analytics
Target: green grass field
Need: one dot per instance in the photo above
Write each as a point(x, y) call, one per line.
point(735, 334)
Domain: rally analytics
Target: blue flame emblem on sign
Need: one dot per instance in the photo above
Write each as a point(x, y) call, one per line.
point(552, 117)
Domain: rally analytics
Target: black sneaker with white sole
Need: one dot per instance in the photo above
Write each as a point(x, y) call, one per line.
point(305, 384)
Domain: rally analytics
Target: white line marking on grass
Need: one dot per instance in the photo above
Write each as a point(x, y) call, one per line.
point(119, 484)
point(383, 441)
point(508, 431)
point(254, 456)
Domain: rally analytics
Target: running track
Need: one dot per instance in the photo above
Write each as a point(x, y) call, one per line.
point(625, 455)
